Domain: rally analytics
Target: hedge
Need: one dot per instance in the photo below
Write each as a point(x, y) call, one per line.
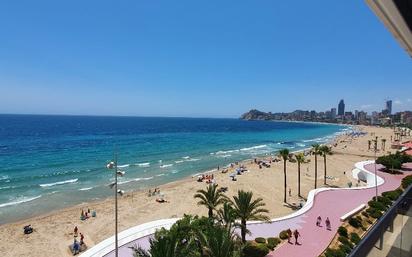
point(260, 240)
point(355, 238)
point(406, 181)
point(334, 253)
point(255, 250)
point(273, 242)
point(284, 234)
point(342, 231)
point(354, 222)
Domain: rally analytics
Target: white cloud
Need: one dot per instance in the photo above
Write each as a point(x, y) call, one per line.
point(366, 106)
point(397, 102)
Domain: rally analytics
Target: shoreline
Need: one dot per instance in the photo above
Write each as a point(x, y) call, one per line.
point(54, 230)
point(246, 161)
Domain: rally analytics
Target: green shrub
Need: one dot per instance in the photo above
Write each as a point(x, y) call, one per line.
point(355, 238)
point(364, 213)
point(377, 205)
point(345, 248)
point(406, 181)
point(334, 253)
point(273, 242)
point(255, 250)
point(345, 241)
point(385, 200)
point(342, 231)
point(260, 240)
point(374, 213)
point(284, 234)
point(354, 222)
point(392, 195)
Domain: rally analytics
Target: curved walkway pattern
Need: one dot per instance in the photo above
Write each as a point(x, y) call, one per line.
point(326, 202)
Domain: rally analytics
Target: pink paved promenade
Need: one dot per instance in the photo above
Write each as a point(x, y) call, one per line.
point(332, 204)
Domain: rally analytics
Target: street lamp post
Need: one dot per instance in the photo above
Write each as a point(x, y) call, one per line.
point(375, 149)
point(113, 166)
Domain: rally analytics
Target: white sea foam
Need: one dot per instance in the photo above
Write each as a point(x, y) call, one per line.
point(161, 174)
point(227, 152)
point(224, 156)
point(144, 164)
point(253, 147)
point(4, 177)
point(60, 183)
point(193, 160)
point(186, 157)
point(85, 188)
point(166, 166)
point(123, 166)
point(178, 161)
point(175, 171)
point(19, 201)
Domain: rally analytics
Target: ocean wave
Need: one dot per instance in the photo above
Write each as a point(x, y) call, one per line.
point(161, 174)
point(85, 188)
point(60, 183)
point(224, 156)
point(123, 166)
point(19, 201)
point(144, 164)
point(179, 161)
point(186, 157)
point(227, 152)
point(193, 160)
point(4, 177)
point(166, 166)
point(253, 147)
point(175, 171)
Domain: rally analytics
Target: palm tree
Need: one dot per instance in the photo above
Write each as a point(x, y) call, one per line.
point(316, 152)
point(247, 209)
point(217, 241)
point(284, 153)
point(325, 150)
point(383, 144)
point(211, 198)
point(227, 215)
point(300, 158)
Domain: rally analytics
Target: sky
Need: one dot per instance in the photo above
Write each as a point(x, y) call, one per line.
point(197, 58)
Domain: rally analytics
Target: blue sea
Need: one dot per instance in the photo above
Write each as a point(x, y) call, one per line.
point(52, 162)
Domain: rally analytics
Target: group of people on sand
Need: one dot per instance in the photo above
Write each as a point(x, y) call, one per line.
point(156, 191)
point(87, 214)
point(209, 178)
point(327, 222)
point(77, 245)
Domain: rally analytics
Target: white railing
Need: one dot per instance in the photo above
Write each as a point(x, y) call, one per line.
point(146, 229)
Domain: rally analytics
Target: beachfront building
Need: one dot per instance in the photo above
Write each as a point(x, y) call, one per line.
point(389, 107)
point(341, 108)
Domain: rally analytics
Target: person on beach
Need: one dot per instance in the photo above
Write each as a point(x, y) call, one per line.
point(290, 191)
point(327, 223)
point(296, 234)
point(76, 247)
point(75, 231)
point(81, 239)
point(318, 221)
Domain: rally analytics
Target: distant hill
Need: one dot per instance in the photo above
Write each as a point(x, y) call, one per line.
point(257, 115)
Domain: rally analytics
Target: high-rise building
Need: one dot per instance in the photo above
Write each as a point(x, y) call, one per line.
point(341, 108)
point(333, 113)
point(389, 107)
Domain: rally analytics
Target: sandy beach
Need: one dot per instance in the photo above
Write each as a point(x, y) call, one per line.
point(54, 231)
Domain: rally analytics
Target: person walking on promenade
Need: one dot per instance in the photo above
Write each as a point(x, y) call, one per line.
point(318, 221)
point(327, 223)
point(289, 235)
point(296, 234)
